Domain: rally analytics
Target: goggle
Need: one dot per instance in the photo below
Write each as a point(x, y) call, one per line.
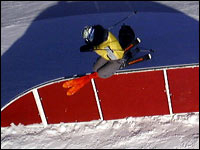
point(88, 34)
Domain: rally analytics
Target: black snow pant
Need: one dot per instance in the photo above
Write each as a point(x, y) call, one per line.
point(105, 68)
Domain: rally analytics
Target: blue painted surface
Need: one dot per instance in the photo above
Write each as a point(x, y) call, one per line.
point(50, 47)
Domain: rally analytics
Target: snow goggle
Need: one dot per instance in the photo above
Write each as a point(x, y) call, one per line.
point(88, 34)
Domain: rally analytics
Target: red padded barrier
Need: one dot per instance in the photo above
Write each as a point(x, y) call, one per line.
point(23, 110)
point(125, 95)
point(59, 107)
point(133, 94)
point(184, 88)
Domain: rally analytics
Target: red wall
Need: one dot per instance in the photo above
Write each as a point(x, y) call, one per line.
point(184, 87)
point(125, 95)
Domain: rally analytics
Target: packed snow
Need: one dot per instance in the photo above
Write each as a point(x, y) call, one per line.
point(154, 132)
point(179, 131)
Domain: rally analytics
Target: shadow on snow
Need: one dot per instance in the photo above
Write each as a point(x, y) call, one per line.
point(49, 48)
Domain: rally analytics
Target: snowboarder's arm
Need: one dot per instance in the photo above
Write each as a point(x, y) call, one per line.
point(86, 48)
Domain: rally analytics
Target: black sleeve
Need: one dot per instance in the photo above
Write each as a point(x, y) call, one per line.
point(86, 48)
point(126, 36)
point(100, 35)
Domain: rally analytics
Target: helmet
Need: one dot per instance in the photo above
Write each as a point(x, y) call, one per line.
point(88, 33)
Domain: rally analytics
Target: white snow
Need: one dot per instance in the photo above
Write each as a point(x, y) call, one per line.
point(179, 131)
point(191, 8)
point(154, 132)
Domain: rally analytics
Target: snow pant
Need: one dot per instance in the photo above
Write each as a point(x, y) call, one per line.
point(106, 68)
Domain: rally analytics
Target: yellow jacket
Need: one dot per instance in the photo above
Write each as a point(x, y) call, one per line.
point(110, 49)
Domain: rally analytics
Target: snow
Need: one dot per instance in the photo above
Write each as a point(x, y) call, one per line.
point(191, 8)
point(179, 131)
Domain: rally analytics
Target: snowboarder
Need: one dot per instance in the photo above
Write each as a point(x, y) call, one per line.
point(113, 54)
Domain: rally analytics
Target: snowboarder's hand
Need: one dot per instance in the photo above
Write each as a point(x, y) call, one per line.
point(86, 48)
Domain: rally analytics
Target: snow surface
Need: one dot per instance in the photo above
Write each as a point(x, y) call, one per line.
point(155, 132)
point(179, 131)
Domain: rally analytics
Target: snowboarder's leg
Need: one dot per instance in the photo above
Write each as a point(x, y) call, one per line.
point(99, 63)
point(109, 68)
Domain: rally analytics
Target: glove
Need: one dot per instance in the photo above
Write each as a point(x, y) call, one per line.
point(86, 48)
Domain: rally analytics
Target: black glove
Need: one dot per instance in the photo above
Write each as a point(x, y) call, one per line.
point(86, 48)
